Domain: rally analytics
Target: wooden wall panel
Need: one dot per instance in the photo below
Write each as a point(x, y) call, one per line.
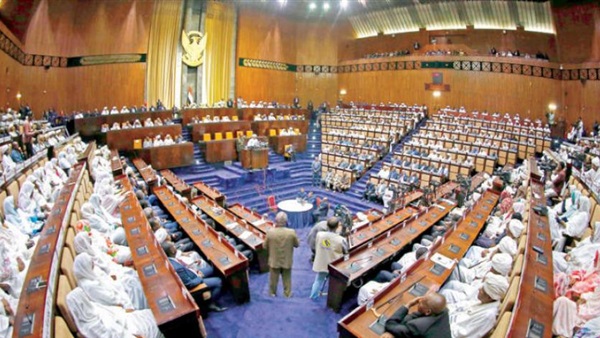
point(10, 81)
point(69, 89)
point(581, 99)
point(578, 32)
point(254, 84)
point(77, 28)
point(318, 88)
point(527, 96)
point(265, 36)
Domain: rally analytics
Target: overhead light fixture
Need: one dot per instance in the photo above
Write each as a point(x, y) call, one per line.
point(552, 106)
point(344, 3)
point(326, 6)
point(437, 93)
point(282, 2)
point(312, 6)
point(343, 92)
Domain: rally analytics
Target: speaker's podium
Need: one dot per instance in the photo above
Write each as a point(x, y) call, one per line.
point(255, 154)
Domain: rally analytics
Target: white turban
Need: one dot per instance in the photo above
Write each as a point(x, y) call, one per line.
point(508, 245)
point(596, 162)
point(502, 263)
point(495, 286)
point(161, 235)
point(515, 227)
point(519, 207)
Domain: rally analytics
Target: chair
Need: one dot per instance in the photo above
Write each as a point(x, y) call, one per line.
point(13, 189)
point(249, 133)
point(2, 198)
point(234, 118)
point(239, 134)
point(66, 267)
point(137, 144)
point(297, 131)
point(70, 241)
point(272, 132)
point(502, 327)
point(218, 136)
point(517, 267)
point(61, 329)
point(61, 302)
point(511, 296)
point(229, 135)
point(206, 138)
point(271, 203)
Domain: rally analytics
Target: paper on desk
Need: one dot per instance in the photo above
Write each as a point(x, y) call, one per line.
point(245, 235)
point(231, 225)
point(359, 224)
point(442, 260)
point(258, 223)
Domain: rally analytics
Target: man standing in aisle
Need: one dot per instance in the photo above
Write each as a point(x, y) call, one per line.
point(280, 244)
point(329, 247)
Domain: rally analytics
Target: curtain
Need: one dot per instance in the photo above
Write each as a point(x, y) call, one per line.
point(165, 36)
point(220, 31)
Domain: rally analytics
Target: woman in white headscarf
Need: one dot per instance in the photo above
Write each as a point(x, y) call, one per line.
point(63, 162)
point(52, 176)
point(8, 164)
point(28, 200)
point(98, 285)
point(12, 272)
point(58, 170)
point(96, 222)
point(96, 202)
point(71, 155)
point(19, 218)
point(578, 222)
point(105, 263)
point(95, 320)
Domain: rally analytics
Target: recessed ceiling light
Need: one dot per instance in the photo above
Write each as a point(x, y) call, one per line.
point(282, 2)
point(326, 6)
point(344, 3)
point(312, 6)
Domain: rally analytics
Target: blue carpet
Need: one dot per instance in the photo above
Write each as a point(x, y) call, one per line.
point(265, 316)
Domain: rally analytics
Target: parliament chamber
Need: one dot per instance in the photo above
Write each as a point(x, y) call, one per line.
point(420, 168)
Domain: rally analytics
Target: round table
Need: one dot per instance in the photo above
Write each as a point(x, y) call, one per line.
point(299, 214)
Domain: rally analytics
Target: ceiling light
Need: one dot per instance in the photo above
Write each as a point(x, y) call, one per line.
point(552, 106)
point(326, 6)
point(282, 2)
point(437, 93)
point(344, 3)
point(312, 6)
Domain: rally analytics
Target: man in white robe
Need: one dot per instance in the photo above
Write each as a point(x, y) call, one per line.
point(475, 318)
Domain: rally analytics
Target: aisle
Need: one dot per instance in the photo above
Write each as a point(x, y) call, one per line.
point(265, 316)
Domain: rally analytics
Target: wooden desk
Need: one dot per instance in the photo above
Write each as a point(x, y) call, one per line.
point(123, 139)
point(115, 163)
point(210, 192)
point(535, 317)
point(454, 245)
point(373, 215)
point(228, 261)
point(248, 113)
point(171, 156)
point(188, 114)
point(199, 129)
point(278, 143)
point(178, 184)
point(148, 174)
point(367, 233)
point(261, 128)
point(220, 151)
point(534, 171)
point(90, 126)
point(172, 305)
point(254, 158)
point(34, 316)
point(369, 256)
point(252, 217)
point(244, 232)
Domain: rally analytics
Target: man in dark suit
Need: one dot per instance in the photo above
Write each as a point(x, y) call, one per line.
point(429, 321)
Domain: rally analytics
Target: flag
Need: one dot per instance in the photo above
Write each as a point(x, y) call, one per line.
point(190, 96)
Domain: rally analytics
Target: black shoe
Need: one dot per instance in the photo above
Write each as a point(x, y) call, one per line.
point(215, 308)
